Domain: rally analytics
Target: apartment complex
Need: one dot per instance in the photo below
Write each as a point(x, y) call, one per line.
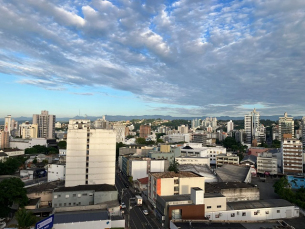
point(286, 126)
point(4, 139)
point(28, 131)
point(266, 163)
point(230, 126)
point(292, 156)
point(145, 131)
point(251, 122)
point(90, 155)
point(171, 183)
point(46, 124)
point(228, 158)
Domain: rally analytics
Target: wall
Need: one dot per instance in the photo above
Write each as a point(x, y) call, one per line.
point(45, 197)
point(157, 166)
point(212, 203)
point(249, 214)
point(19, 145)
point(56, 172)
point(138, 169)
point(193, 160)
point(101, 224)
point(14, 153)
point(186, 183)
point(241, 194)
point(167, 186)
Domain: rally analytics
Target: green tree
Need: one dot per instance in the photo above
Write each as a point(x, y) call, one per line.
point(160, 141)
point(9, 166)
point(11, 191)
point(141, 141)
point(130, 179)
point(62, 145)
point(173, 166)
point(276, 144)
point(25, 219)
point(35, 161)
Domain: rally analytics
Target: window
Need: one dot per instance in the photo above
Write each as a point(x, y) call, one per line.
point(218, 206)
point(208, 207)
point(79, 195)
point(255, 213)
point(55, 205)
point(278, 211)
point(59, 205)
point(79, 203)
point(67, 196)
point(267, 212)
point(233, 215)
point(244, 214)
point(59, 195)
point(74, 195)
point(69, 204)
point(65, 204)
point(55, 197)
point(84, 194)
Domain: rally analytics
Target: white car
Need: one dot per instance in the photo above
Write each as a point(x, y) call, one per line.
point(123, 206)
point(145, 212)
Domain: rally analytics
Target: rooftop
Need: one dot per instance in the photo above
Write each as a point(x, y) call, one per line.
point(172, 174)
point(217, 187)
point(95, 187)
point(232, 173)
point(254, 204)
point(3, 154)
point(176, 198)
point(143, 180)
point(80, 216)
point(49, 186)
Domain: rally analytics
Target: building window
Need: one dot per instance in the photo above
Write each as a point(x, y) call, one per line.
point(59, 195)
point(255, 213)
point(278, 211)
point(233, 215)
point(79, 203)
point(244, 214)
point(59, 205)
point(55, 197)
point(85, 194)
point(218, 206)
point(267, 212)
point(64, 204)
point(67, 196)
point(79, 195)
point(69, 204)
point(74, 195)
point(208, 207)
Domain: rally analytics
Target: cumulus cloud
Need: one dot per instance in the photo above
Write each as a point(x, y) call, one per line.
point(192, 54)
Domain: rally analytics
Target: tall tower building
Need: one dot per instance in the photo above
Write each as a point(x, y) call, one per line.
point(7, 124)
point(230, 126)
point(292, 155)
point(90, 157)
point(46, 124)
point(251, 122)
point(145, 131)
point(286, 126)
point(303, 133)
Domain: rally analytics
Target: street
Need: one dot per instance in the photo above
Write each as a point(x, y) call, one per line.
point(137, 218)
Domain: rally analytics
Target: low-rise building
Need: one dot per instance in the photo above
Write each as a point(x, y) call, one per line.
point(141, 184)
point(267, 163)
point(56, 172)
point(193, 160)
point(228, 158)
point(234, 173)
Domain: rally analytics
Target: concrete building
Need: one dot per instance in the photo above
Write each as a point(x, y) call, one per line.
point(193, 160)
point(170, 156)
point(230, 126)
point(145, 131)
point(267, 163)
point(4, 139)
point(28, 131)
point(56, 172)
point(83, 195)
point(303, 133)
point(183, 129)
point(292, 155)
point(171, 183)
point(234, 173)
point(199, 138)
point(90, 155)
point(174, 138)
point(120, 132)
point(228, 158)
point(46, 124)
point(58, 125)
point(286, 126)
point(251, 124)
point(10, 126)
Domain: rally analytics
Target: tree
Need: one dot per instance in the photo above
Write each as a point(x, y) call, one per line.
point(11, 191)
point(141, 141)
point(130, 179)
point(35, 161)
point(9, 166)
point(62, 145)
point(173, 166)
point(25, 219)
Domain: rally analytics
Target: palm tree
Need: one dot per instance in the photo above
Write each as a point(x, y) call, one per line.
point(25, 219)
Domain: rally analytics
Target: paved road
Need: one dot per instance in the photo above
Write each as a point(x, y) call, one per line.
point(137, 219)
point(37, 180)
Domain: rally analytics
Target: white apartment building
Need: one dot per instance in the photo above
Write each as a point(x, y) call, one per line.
point(57, 125)
point(303, 134)
point(183, 129)
point(56, 172)
point(120, 132)
point(172, 138)
point(193, 160)
point(230, 126)
point(286, 126)
point(292, 154)
point(267, 163)
point(251, 123)
point(46, 124)
point(28, 131)
point(7, 124)
point(90, 155)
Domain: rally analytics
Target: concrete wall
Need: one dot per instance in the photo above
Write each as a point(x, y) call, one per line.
point(167, 186)
point(215, 204)
point(56, 172)
point(193, 160)
point(19, 145)
point(138, 169)
point(186, 183)
point(101, 224)
point(241, 194)
point(157, 166)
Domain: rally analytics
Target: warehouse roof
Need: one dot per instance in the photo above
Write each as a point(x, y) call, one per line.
point(232, 173)
point(80, 216)
point(255, 204)
point(95, 187)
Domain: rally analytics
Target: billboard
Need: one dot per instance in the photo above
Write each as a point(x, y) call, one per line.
point(46, 223)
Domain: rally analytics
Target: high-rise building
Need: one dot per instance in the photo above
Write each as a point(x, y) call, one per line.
point(145, 131)
point(46, 124)
point(230, 126)
point(303, 133)
point(90, 157)
point(251, 125)
point(28, 131)
point(183, 129)
point(286, 126)
point(292, 155)
point(7, 124)
point(120, 132)
point(4, 139)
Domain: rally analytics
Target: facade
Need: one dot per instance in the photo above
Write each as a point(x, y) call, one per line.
point(120, 132)
point(286, 126)
point(292, 156)
point(230, 126)
point(56, 172)
point(193, 160)
point(90, 155)
point(145, 131)
point(170, 156)
point(267, 163)
point(46, 124)
point(58, 125)
point(303, 133)
point(84, 195)
point(183, 129)
point(251, 123)
point(173, 138)
point(228, 158)
point(28, 131)
point(199, 138)
point(4, 139)
point(171, 183)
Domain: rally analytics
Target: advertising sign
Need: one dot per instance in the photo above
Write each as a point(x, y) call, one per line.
point(47, 223)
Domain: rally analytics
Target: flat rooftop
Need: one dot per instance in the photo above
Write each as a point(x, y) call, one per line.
point(217, 187)
point(171, 174)
point(232, 173)
point(49, 186)
point(176, 198)
point(209, 225)
point(254, 204)
point(80, 216)
point(95, 187)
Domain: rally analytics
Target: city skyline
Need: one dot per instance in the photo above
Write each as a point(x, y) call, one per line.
point(179, 58)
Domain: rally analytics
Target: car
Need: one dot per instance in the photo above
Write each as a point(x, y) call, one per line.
point(145, 212)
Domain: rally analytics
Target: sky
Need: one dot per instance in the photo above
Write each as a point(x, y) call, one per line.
point(186, 58)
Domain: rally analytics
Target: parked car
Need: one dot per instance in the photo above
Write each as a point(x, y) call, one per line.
point(145, 212)
point(123, 206)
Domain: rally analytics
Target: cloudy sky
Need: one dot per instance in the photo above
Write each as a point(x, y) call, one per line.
point(179, 58)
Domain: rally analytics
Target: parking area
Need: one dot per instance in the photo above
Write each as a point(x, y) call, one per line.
point(266, 188)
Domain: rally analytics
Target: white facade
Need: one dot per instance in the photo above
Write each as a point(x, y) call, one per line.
point(267, 163)
point(90, 155)
point(28, 131)
point(62, 152)
point(7, 124)
point(12, 153)
point(138, 169)
point(58, 125)
point(193, 160)
point(120, 132)
point(292, 156)
point(172, 138)
point(38, 141)
point(157, 166)
point(19, 144)
point(56, 172)
point(183, 129)
point(230, 126)
point(252, 124)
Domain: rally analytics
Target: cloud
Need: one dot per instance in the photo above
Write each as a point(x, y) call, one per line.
point(75, 93)
point(191, 54)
